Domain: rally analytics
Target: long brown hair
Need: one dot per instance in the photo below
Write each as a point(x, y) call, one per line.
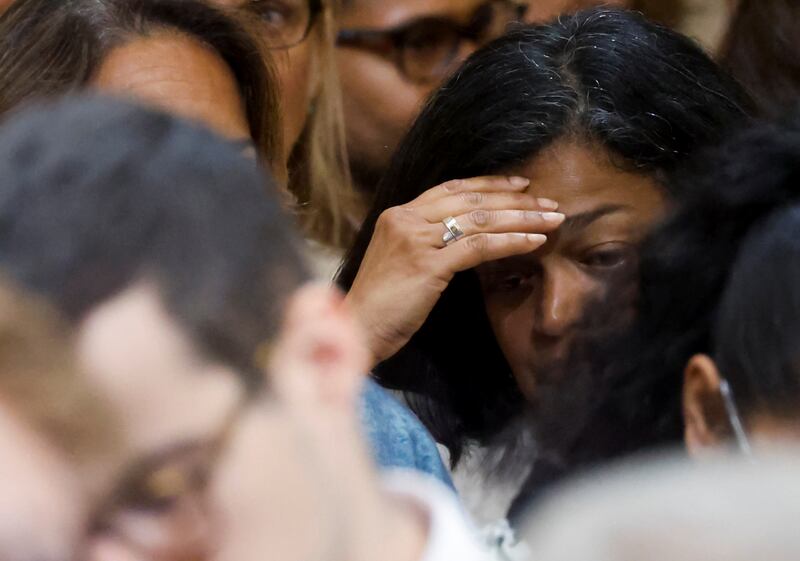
point(49, 48)
point(762, 50)
point(328, 205)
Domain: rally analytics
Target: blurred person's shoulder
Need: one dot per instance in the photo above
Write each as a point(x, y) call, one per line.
point(398, 438)
point(451, 535)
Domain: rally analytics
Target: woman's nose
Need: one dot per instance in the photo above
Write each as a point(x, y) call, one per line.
point(561, 300)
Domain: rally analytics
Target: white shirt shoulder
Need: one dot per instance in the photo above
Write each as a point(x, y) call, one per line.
point(451, 535)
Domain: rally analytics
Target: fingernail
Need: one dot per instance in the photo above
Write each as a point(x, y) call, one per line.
point(547, 204)
point(554, 217)
point(537, 238)
point(519, 181)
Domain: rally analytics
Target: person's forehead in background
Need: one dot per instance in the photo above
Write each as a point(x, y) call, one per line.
point(390, 13)
point(545, 10)
point(176, 73)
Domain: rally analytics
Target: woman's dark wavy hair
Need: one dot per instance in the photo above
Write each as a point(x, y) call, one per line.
point(620, 389)
point(49, 48)
point(647, 94)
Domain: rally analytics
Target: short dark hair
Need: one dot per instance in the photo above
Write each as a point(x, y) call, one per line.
point(647, 94)
point(51, 48)
point(756, 338)
point(99, 194)
point(620, 389)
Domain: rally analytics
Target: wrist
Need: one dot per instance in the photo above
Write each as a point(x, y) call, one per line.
point(370, 333)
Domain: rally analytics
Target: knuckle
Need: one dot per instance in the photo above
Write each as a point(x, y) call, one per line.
point(521, 201)
point(453, 186)
point(482, 218)
point(472, 198)
point(391, 218)
point(385, 217)
point(531, 203)
point(478, 244)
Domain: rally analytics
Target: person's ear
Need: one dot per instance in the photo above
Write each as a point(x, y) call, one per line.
point(705, 422)
point(320, 358)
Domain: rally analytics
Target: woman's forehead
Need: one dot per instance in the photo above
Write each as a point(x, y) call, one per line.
point(583, 177)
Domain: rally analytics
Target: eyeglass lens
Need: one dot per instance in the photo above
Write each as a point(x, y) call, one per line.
point(431, 47)
point(287, 22)
point(492, 20)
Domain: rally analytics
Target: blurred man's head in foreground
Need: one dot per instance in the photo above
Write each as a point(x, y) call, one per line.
point(183, 368)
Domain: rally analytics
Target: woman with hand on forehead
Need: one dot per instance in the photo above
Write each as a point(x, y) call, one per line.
point(470, 288)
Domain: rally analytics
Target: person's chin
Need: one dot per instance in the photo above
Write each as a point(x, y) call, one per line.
point(540, 371)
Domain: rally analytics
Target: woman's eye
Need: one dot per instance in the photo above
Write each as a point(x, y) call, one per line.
point(605, 258)
point(274, 13)
point(510, 283)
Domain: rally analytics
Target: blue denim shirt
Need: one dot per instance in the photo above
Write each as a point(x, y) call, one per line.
point(397, 437)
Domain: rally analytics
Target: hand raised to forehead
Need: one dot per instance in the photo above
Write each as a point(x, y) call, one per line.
point(411, 258)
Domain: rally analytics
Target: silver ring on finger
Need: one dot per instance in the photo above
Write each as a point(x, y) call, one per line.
point(453, 231)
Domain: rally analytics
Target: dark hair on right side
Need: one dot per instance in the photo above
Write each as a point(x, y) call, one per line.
point(762, 50)
point(756, 338)
point(49, 48)
point(619, 391)
point(99, 195)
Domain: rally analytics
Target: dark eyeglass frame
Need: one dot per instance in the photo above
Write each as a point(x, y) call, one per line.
point(127, 491)
point(136, 477)
point(391, 43)
point(315, 8)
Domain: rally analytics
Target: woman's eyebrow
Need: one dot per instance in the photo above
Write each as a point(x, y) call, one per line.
point(584, 219)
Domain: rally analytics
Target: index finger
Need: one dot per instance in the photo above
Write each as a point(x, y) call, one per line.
point(483, 184)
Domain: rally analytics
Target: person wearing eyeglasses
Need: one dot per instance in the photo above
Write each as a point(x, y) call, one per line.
point(392, 54)
point(182, 56)
point(189, 401)
point(299, 36)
